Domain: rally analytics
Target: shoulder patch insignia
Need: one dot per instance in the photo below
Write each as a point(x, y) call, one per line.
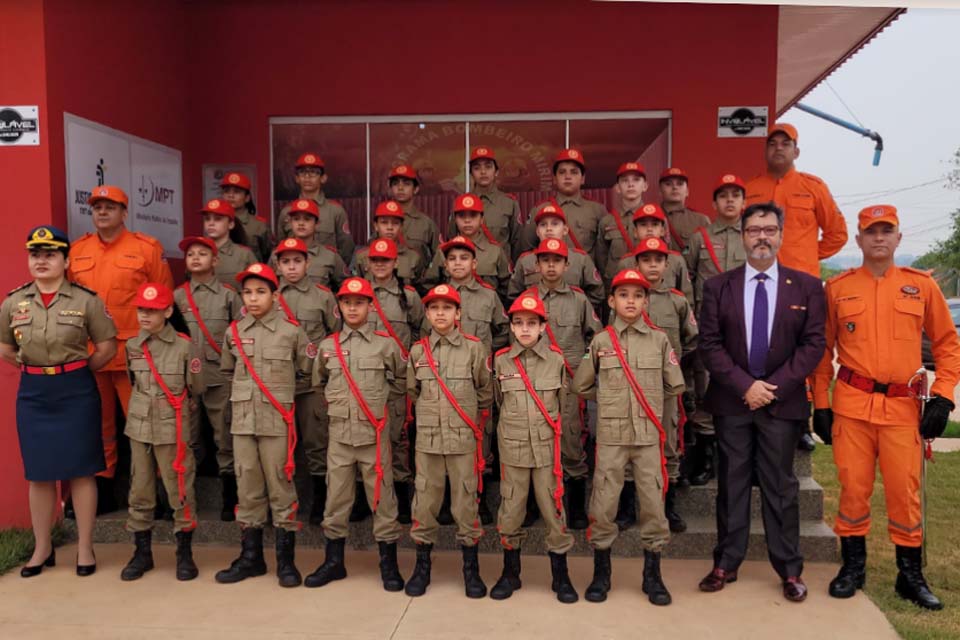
point(673, 358)
point(196, 366)
point(909, 289)
point(311, 350)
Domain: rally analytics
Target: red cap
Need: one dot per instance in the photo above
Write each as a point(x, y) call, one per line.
point(234, 179)
point(442, 292)
point(652, 244)
point(547, 211)
point(629, 276)
point(570, 155)
point(787, 129)
point(673, 172)
point(152, 295)
point(405, 171)
point(292, 244)
point(383, 248)
point(483, 153)
point(468, 202)
point(220, 207)
point(458, 242)
point(309, 160)
point(650, 211)
point(388, 209)
point(355, 287)
point(107, 192)
point(259, 270)
point(877, 213)
point(530, 304)
point(552, 246)
point(305, 205)
point(729, 180)
point(189, 241)
point(631, 167)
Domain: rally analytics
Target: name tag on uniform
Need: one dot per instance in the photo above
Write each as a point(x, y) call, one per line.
point(606, 353)
point(420, 363)
point(242, 341)
point(333, 354)
point(508, 376)
point(136, 357)
point(76, 313)
point(21, 316)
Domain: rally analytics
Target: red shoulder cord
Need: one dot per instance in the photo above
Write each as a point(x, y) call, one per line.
point(709, 246)
point(487, 232)
point(476, 428)
point(177, 403)
point(642, 399)
point(200, 323)
point(557, 432)
point(378, 424)
point(403, 351)
point(287, 311)
point(623, 230)
point(571, 234)
point(581, 403)
point(676, 236)
point(286, 414)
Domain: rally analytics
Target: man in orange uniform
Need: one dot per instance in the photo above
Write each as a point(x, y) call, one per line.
point(805, 199)
point(114, 262)
point(875, 315)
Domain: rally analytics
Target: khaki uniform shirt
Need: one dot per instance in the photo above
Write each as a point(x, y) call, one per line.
point(232, 259)
point(618, 245)
point(408, 319)
point(280, 353)
point(571, 318)
point(525, 437)
point(727, 242)
point(482, 314)
point(420, 233)
point(464, 365)
point(621, 419)
point(258, 233)
point(56, 334)
point(493, 265)
point(675, 276)
point(584, 220)
point(581, 273)
point(377, 367)
point(333, 229)
point(324, 266)
point(670, 310)
point(150, 416)
point(682, 222)
point(315, 309)
point(501, 215)
point(217, 305)
point(410, 265)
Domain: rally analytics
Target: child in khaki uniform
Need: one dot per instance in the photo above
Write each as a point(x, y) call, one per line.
point(265, 353)
point(388, 225)
point(632, 372)
point(529, 387)
point(448, 375)
point(325, 267)
point(221, 226)
point(361, 372)
point(165, 371)
point(209, 306)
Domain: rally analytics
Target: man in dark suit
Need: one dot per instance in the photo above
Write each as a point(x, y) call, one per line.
point(761, 335)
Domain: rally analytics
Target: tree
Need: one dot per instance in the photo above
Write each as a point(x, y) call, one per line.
point(944, 258)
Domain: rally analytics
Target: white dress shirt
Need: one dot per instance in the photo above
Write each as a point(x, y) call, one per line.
point(750, 290)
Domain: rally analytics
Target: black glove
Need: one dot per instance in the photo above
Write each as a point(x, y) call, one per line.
point(823, 424)
point(689, 404)
point(935, 416)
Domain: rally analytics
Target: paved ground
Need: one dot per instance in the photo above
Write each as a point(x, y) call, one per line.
point(59, 605)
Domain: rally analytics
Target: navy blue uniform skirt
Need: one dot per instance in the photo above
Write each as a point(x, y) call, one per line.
point(58, 422)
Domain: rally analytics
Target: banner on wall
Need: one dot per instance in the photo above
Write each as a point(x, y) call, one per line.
point(151, 174)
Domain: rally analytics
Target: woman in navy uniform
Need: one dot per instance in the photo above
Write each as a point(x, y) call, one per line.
point(45, 326)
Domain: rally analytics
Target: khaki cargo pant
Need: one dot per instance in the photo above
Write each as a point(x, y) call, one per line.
point(215, 402)
point(343, 463)
point(671, 447)
point(313, 426)
point(607, 484)
point(259, 462)
point(432, 469)
point(514, 487)
point(145, 460)
point(572, 456)
point(399, 440)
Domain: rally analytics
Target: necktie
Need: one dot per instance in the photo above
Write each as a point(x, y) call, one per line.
point(758, 336)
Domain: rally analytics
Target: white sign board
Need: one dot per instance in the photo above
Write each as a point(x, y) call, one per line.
point(213, 175)
point(151, 175)
point(20, 125)
point(742, 122)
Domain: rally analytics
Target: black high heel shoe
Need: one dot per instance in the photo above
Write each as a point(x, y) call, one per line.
point(84, 570)
point(29, 572)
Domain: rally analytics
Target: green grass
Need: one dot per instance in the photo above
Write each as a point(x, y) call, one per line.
point(16, 546)
point(943, 547)
point(953, 430)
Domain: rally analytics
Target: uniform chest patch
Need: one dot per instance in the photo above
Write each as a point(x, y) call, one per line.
point(333, 354)
point(851, 326)
point(910, 289)
point(195, 366)
point(606, 353)
point(74, 313)
point(311, 350)
point(508, 376)
point(420, 364)
point(21, 316)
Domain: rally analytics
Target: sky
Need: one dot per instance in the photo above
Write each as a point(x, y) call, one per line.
point(903, 85)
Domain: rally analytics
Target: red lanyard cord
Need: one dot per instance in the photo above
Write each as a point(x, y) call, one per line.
point(200, 323)
point(557, 432)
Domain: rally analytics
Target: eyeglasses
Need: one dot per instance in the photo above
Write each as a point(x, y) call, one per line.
point(754, 232)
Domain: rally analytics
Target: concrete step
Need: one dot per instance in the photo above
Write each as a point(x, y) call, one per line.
point(817, 541)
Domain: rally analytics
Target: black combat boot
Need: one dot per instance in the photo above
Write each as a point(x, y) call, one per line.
point(186, 567)
point(627, 507)
point(483, 509)
point(703, 472)
point(402, 489)
point(853, 573)
point(287, 573)
point(561, 584)
point(675, 520)
point(142, 560)
point(576, 504)
point(533, 511)
point(600, 585)
point(420, 580)
point(361, 510)
point(389, 571)
point(250, 562)
point(510, 578)
point(228, 488)
point(652, 581)
point(333, 567)
point(319, 500)
point(911, 585)
point(473, 584)
point(445, 517)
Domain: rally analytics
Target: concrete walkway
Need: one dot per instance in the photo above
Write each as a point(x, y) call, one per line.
point(59, 605)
